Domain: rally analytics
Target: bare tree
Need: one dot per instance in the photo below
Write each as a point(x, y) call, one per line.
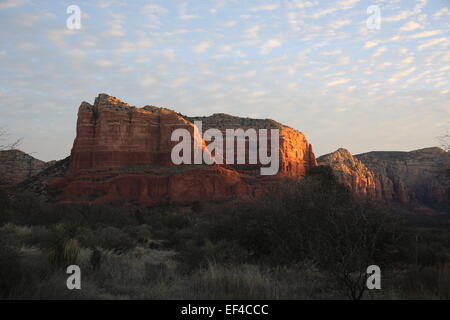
point(351, 241)
point(5, 145)
point(444, 141)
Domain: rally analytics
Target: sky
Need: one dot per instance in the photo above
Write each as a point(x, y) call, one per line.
point(318, 66)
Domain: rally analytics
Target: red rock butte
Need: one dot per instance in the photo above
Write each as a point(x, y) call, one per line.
point(122, 152)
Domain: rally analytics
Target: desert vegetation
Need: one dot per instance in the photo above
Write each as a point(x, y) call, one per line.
point(308, 240)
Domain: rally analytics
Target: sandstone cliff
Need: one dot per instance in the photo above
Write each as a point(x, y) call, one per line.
point(296, 154)
point(353, 173)
point(419, 176)
point(17, 166)
point(122, 152)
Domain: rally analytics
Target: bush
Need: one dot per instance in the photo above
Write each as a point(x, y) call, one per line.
point(61, 245)
point(112, 238)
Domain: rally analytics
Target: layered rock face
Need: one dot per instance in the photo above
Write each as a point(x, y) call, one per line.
point(124, 152)
point(420, 176)
point(353, 173)
point(113, 134)
point(17, 166)
point(295, 153)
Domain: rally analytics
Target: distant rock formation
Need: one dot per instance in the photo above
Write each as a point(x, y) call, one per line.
point(353, 173)
point(420, 176)
point(122, 152)
point(17, 166)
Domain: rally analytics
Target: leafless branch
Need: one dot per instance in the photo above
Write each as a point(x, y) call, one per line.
point(8, 146)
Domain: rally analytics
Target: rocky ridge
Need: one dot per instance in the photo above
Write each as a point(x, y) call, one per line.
point(17, 166)
point(420, 176)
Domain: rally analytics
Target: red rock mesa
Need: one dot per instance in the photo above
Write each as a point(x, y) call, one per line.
point(123, 152)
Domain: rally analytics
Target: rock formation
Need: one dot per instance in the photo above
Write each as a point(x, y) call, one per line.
point(420, 176)
point(296, 154)
point(17, 166)
point(123, 152)
point(353, 173)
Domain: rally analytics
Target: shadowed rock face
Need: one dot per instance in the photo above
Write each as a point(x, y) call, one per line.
point(420, 176)
point(17, 166)
point(124, 152)
point(423, 174)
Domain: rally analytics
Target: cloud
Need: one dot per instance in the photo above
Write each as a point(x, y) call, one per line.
point(184, 15)
point(407, 13)
point(89, 41)
point(396, 77)
point(108, 3)
point(341, 5)
point(148, 81)
point(116, 26)
point(344, 60)
point(443, 12)
point(226, 48)
point(426, 34)
point(145, 43)
point(126, 47)
point(446, 57)
point(403, 51)
point(57, 36)
point(347, 4)
point(269, 45)
point(337, 82)
point(410, 26)
point(104, 63)
point(408, 60)
point(180, 81)
point(265, 7)
point(8, 4)
point(320, 13)
point(432, 43)
point(229, 24)
point(340, 23)
point(202, 47)
point(332, 52)
point(379, 52)
point(301, 4)
point(370, 44)
point(398, 17)
point(169, 54)
point(419, 6)
point(253, 32)
point(154, 12)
